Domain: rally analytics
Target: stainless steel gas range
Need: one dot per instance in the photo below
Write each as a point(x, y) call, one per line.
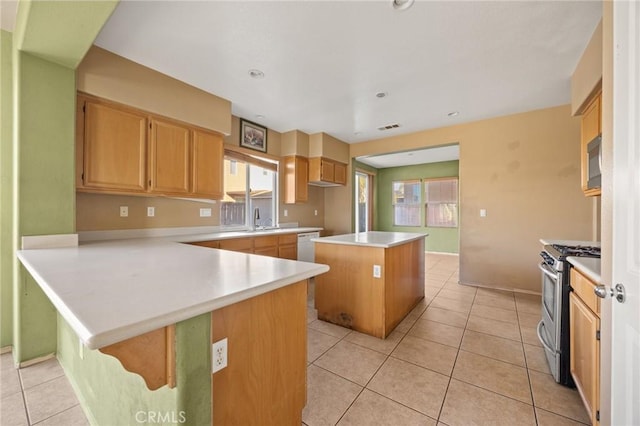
point(553, 329)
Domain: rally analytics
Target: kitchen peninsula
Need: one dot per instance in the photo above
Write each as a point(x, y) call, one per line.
point(375, 279)
point(155, 299)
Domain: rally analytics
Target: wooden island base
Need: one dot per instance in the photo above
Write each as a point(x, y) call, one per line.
point(349, 295)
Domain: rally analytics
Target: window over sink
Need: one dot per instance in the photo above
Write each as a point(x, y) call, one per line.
point(250, 183)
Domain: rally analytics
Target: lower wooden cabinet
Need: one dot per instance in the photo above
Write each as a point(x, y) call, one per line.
point(288, 246)
point(584, 345)
point(284, 246)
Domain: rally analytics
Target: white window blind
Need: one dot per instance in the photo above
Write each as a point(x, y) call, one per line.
point(406, 203)
point(441, 202)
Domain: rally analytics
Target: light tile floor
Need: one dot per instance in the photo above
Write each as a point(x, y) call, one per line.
point(463, 356)
point(37, 395)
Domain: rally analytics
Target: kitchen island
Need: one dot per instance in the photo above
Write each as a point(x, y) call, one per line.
point(157, 306)
point(375, 280)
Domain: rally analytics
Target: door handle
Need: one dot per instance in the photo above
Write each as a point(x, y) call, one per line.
point(618, 292)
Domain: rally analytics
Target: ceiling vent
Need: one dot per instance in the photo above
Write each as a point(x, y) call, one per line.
point(389, 127)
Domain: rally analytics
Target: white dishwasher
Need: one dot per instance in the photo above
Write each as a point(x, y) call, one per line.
point(306, 252)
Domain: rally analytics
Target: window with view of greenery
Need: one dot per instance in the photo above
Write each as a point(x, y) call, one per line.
point(406, 203)
point(441, 202)
point(249, 184)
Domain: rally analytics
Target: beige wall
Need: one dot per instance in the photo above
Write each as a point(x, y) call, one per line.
point(588, 73)
point(524, 169)
point(294, 142)
point(96, 212)
point(324, 145)
point(107, 75)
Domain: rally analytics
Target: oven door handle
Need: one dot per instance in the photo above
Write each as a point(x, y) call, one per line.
point(544, 342)
point(544, 268)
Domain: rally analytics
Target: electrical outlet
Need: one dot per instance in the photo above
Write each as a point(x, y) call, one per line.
point(286, 212)
point(205, 212)
point(219, 355)
point(315, 212)
point(151, 211)
point(124, 211)
point(377, 271)
point(483, 213)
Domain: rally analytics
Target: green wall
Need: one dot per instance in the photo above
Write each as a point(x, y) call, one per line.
point(45, 164)
point(445, 240)
point(6, 189)
point(112, 396)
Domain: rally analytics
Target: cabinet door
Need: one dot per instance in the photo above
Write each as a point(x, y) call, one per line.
point(340, 173)
point(328, 171)
point(585, 353)
point(296, 179)
point(169, 158)
point(208, 157)
point(115, 142)
point(288, 251)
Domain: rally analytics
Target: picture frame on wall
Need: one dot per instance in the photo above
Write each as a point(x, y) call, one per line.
point(253, 136)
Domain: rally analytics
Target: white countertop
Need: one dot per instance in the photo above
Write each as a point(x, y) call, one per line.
point(372, 239)
point(110, 291)
point(546, 241)
point(589, 266)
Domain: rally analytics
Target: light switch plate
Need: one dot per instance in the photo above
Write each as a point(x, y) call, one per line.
point(124, 211)
point(151, 211)
point(205, 212)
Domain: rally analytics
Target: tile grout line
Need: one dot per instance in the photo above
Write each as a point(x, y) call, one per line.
point(446, 391)
point(526, 363)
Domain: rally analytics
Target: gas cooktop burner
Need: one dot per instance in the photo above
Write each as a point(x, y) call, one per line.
point(580, 251)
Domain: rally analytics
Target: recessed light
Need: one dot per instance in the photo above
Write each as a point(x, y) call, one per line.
point(259, 116)
point(256, 73)
point(453, 113)
point(401, 4)
point(410, 154)
point(381, 95)
point(357, 133)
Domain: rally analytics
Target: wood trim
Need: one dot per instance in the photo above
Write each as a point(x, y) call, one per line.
point(150, 355)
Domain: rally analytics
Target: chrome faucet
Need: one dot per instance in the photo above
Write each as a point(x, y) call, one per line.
point(256, 218)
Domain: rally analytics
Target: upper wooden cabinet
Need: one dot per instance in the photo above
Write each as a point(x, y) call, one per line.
point(208, 153)
point(115, 143)
point(296, 179)
point(591, 126)
point(169, 152)
point(127, 151)
point(340, 173)
point(326, 172)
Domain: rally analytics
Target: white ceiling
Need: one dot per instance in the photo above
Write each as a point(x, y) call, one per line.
point(324, 61)
point(409, 158)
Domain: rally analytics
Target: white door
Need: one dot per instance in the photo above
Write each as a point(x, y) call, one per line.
point(625, 317)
